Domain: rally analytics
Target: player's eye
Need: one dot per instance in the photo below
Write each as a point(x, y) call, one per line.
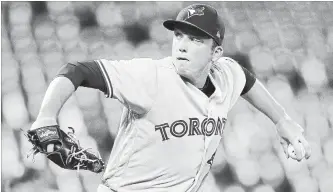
point(196, 39)
point(178, 34)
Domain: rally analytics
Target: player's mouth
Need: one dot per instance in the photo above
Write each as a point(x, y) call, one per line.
point(182, 59)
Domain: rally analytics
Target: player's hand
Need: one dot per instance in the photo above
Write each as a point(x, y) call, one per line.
point(292, 139)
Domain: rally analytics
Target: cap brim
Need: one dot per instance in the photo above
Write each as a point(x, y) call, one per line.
point(170, 24)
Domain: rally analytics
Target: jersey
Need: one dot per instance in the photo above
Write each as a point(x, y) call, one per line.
point(169, 130)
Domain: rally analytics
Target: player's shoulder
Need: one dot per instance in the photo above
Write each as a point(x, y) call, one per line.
point(139, 61)
point(226, 63)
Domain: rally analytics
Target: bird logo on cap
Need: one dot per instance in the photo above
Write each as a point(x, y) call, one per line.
point(218, 34)
point(195, 11)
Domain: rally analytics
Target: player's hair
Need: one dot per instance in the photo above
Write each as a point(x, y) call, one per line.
point(214, 45)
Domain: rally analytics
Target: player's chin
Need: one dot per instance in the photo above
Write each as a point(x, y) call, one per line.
point(185, 74)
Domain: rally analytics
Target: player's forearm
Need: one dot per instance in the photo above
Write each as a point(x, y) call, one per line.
point(69, 78)
point(260, 98)
point(58, 92)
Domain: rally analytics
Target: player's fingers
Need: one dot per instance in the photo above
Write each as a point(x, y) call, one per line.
point(306, 146)
point(298, 149)
point(285, 147)
point(50, 148)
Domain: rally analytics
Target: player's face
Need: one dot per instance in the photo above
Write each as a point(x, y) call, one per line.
point(191, 52)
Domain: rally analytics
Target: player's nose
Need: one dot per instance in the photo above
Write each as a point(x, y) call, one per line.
point(183, 45)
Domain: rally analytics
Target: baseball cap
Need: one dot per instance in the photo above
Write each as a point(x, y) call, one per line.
point(202, 17)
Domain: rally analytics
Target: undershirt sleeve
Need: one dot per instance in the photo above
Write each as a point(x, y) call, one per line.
point(86, 74)
point(250, 80)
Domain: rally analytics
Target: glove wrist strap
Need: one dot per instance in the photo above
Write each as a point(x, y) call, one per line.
point(43, 122)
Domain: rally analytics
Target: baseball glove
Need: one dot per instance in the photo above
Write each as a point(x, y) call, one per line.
point(67, 153)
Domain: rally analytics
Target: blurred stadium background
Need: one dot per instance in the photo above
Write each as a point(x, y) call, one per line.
point(288, 45)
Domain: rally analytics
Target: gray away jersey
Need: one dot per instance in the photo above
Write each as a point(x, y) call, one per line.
point(169, 130)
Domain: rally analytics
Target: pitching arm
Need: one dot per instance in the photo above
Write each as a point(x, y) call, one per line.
point(289, 131)
point(69, 78)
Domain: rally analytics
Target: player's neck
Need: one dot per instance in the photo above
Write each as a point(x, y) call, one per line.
point(201, 78)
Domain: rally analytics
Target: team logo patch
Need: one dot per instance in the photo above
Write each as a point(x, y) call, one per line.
point(47, 134)
point(199, 11)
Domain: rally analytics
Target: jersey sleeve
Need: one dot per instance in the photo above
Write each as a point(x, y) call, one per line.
point(237, 78)
point(132, 82)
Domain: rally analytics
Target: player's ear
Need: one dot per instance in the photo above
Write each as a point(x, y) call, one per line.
point(217, 53)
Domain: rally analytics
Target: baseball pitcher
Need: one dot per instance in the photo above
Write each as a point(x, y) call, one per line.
point(175, 110)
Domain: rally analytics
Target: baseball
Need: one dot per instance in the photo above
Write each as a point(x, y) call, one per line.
point(291, 151)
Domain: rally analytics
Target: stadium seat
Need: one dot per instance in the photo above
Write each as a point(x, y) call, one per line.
point(315, 42)
point(262, 60)
point(44, 29)
point(263, 188)
point(147, 12)
point(24, 45)
point(75, 56)
point(33, 78)
point(256, 6)
point(308, 103)
point(34, 103)
point(159, 33)
point(229, 41)
point(293, 168)
point(90, 181)
point(120, 48)
point(14, 110)
point(305, 184)
point(170, 9)
point(59, 8)
point(73, 117)
point(148, 49)
point(11, 165)
point(246, 40)
point(50, 45)
point(280, 88)
point(317, 123)
point(18, 31)
point(238, 20)
point(247, 172)
point(68, 30)
point(260, 142)
point(75, 45)
point(127, 11)
point(328, 152)
point(282, 17)
point(284, 61)
point(327, 17)
point(53, 62)
point(234, 188)
point(9, 74)
point(270, 170)
point(69, 182)
point(87, 97)
point(290, 37)
point(318, 169)
point(316, 153)
point(20, 13)
point(313, 72)
point(235, 149)
point(330, 37)
point(5, 42)
point(104, 13)
point(325, 181)
point(26, 186)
